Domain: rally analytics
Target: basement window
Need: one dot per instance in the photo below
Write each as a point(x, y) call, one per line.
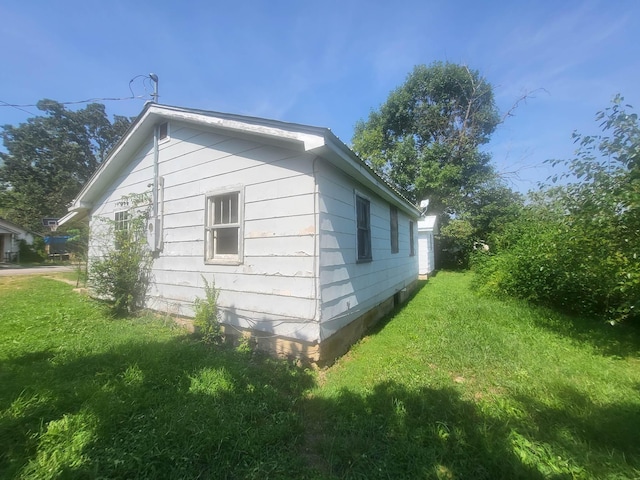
point(223, 228)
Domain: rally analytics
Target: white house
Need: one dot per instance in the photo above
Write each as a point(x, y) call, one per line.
point(307, 244)
point(10, 236)
point(427, 229)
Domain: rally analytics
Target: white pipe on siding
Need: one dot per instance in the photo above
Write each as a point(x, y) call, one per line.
point(316, 252)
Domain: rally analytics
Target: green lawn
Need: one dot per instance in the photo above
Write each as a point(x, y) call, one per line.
point(453, 386)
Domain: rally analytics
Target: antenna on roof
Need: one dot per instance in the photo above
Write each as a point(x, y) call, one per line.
point(424, 204)
point(154, 79)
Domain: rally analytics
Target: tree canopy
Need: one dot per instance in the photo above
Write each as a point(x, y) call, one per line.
point(50, 157)
point(426, 139)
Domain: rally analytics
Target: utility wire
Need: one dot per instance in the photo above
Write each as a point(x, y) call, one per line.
point(17, 107)
point(88, 100)
point(21, 106)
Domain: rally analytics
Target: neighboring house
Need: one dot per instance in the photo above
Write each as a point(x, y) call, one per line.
point(307, 244)
point(10, 236)
point(427, 229)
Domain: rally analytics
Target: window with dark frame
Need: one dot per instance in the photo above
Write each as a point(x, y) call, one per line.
point(412, 248)
point(363, 222)
point(393, 228)
point(163, 131)
point(223, 227)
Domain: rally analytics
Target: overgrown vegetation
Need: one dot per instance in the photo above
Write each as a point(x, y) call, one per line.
point(206, 317)
point(472, 388)
point(120, 265)
point(575, 247)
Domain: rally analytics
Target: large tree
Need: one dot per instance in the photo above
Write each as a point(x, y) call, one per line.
point(426, 137)
point(50, 157)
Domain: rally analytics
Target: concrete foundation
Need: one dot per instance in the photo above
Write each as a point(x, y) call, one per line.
point(325, 352)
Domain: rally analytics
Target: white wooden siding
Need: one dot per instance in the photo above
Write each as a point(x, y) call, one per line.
point(349, 289)
point(275, 286)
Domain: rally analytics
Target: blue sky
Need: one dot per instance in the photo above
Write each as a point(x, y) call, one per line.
point(329, 63)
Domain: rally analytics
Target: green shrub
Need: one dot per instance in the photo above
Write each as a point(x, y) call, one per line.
point(29, 253)
point(576, 247)
point(122, 272)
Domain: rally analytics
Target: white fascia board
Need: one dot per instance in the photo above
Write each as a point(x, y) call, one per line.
point(310, 139)
point(348, 162)
point(68, 217)
point(11, 230)
point(306, 137)
point(13, 227)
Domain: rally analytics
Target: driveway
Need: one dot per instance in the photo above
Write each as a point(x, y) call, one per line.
point(10, 271)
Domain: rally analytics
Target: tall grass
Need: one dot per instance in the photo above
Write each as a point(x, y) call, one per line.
point(452, 386)
point(457, 386)
point(83, 395)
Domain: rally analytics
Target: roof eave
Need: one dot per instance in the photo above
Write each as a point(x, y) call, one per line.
point(366, 175)
point(308, 138)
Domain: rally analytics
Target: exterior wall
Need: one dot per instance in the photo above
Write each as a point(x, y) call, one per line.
point(426, 252)
point(273, 290)
point(427, 229)
point(349, 289)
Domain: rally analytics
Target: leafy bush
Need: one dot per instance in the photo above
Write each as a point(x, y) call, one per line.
point(576, 247)
point(121, 273)
point(29, 253)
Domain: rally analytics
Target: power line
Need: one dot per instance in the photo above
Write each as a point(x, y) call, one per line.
point(19, 106)
point(150, 77)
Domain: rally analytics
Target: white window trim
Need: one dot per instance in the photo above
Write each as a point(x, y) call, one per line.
point(126, 221)
point(224, 259)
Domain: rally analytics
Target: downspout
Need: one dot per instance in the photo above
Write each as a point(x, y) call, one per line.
point(154, 195)
point(156, 158)
point(316, 252)
point(154, 233)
